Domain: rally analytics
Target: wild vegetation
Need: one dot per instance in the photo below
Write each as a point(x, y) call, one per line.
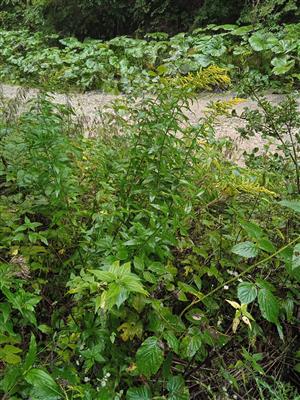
point(103, 19)
point(124, 63)
point(141, 263)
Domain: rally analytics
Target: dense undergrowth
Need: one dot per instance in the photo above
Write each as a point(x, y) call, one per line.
point(104, 19)
point(123, 63)
point(142, 264)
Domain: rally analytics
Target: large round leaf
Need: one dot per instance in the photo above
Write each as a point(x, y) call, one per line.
point(282, 65)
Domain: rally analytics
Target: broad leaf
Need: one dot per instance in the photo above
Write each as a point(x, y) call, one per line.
point(132, 283)
point(292, 204)
point(176, 388)
point(282, 65)
point(258, 42)
point(245, 249)
point(266, 245)
point(190, 345)
point(45, 384)
point(268, 305)
point(139, 393)
point(104, 276)
point(247, 292)
point(149, 356)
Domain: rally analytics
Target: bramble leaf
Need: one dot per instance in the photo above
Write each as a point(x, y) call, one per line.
point(268, 305)
point(149, 356)
point(245, 249)
point(139, 393)
point(247, 292)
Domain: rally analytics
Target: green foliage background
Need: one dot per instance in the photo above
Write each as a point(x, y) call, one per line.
point(106, 19)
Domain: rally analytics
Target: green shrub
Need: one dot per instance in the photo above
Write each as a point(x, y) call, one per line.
point(140, 263)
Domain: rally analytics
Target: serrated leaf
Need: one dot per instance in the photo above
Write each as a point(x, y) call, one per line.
point(104, 276)
point(115, 296)
point(246, 292)
point(45, 384)
point(139, 393)
point(8, 348)
point(245, 249)
point(177, 389)
point(172, 340)
point(190, 345)
point(132, 284)
point(149, 356)
point(268, 305)
point(296, 257)
point(252, 229)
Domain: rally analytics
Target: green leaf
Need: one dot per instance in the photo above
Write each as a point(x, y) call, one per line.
point(297, 368)
point(282, 65)
point(176, 389)
point(266, 245)
point(10, 379)
point(190, 345)
point(258, 42)
point(132, 284)
point(172, 340)
point(115, 296)
point(139, 393)
point(9, 354)
point(268, 305)
point(253, 230)
point(104, 276)
point(296, 257)
point(241, 31)
point(11, 358)
point(45, 384)
point(149, 356)
point(162, 69)
point(31, 355)
point(247, 292)
point(292, 204)
point(245, 249)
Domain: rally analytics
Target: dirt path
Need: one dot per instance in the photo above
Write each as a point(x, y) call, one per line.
point(86, 106)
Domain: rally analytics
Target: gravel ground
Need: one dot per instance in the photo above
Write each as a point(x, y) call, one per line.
point(86, 106)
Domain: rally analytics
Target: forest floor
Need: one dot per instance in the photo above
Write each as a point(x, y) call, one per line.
point(87, 106)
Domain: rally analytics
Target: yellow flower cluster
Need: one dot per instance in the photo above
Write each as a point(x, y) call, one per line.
point(205, 79)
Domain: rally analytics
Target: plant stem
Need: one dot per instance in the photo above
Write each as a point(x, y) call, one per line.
point(231, 280)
